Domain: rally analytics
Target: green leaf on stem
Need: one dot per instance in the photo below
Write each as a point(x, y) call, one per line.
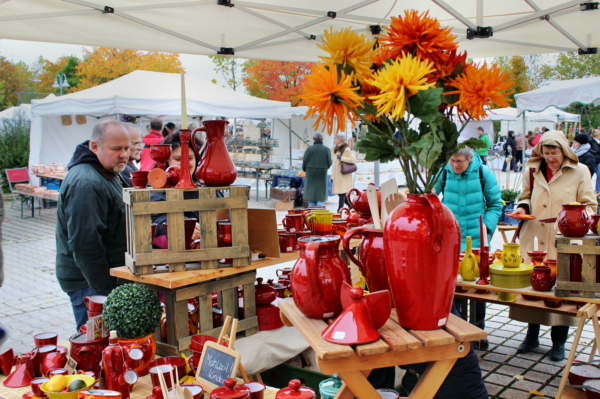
point(424, 105)
point(376, 148)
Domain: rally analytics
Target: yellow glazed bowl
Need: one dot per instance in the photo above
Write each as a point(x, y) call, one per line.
point(89, 381)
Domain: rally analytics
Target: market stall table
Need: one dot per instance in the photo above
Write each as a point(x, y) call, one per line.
point(26, 197)
point(396, 346)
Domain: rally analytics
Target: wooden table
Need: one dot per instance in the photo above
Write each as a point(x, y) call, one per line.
point(25, 196)
point(503, 229)
point(396, 346)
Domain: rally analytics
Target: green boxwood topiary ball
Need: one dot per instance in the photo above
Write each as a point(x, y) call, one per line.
point(131, 310)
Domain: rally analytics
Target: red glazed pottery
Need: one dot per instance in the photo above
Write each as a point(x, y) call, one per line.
point(484, 271)
point(157, 178)
point(575, 269)
point(541, 279)
point(173, 173)
point(284, 274)
point(573, 221)
point(38, 356)
point(578, 374)
point(99, 394)
point(35, 386)
point(388, 393)
point(552, 264)
point(148, 346)
point(372, 257)
point(230, 391)
point(422, 244)
point(162, 364)
point(295, 390)
point(47, 338)
point(185, 177)
point(51, 361)
point(287, 242)
point(197, 391)
point(161, 153)
point(537, 257)
point(308, 233)
point(589, 393)
point(553, 303)
point(7, 361)
point(198, 341)
point(317, 277)
point(215, 168)
point(19, 378)
point(139, 179)
point(340, 227)
point(189, 225)
point(88, 354)
point(353, 218)
point(361, 318)
point(293, 223)
point(264, 294)
point(54, 372)
point(94, 303)
point(224, 238)
point(118, 363)
point(360, 203)
point(92, 314)
point(594, 223)
point(268, 317)
point(299, 211)
point(257, 389)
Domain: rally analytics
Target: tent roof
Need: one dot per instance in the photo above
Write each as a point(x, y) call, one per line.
point(10, 113)
point(271, 29)
point(560, 94)
point(552, 114)
point(158, 93)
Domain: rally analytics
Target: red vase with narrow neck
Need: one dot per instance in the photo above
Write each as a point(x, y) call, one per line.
point(421, 239)
point(215, 169)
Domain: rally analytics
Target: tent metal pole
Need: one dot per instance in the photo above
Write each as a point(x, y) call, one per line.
point(523, 152)
point(376, 174)
point(290, 134)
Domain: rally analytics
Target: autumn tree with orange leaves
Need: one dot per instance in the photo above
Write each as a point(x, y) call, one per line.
point(276, 80)
point(105, 64)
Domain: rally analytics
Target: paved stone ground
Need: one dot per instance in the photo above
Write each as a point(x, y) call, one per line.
point(31, 301)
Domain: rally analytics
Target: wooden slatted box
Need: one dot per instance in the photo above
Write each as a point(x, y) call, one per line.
point(590, 249)
point(178, 337)
point(140, 257)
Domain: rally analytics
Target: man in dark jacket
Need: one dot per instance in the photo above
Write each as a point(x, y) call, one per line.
point(583, 150)
point(317, 159)
point(135, 140)
point(90, 228)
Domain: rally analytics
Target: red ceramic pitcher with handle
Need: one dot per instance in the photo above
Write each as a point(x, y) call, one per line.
point(372, 257)
point(215, 167)
point(360, 203)
point(317, 277)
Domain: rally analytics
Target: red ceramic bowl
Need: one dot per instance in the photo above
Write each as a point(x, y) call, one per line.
point(531, 297)
point(174, 361)
point(581, 373)
point(198, 341)
point(589, 394)
point(553, 303)
point(197, 391)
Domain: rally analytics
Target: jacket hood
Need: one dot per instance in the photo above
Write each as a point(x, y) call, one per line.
point(556, 138)
point(83, 154)
point(474, 165)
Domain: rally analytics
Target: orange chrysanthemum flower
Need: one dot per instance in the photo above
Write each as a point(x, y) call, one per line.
point(368, 90)
point(447, 68)
point(346, 47)
point(479, 88)
point(420, 35)
point(381, 54)
point(329, 98)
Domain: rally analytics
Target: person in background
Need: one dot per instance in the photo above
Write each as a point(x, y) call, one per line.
point(135, 150)
point(553, 177)
point(538, 137)
point(512, 145)
point(191, 127)
point(90, 217)
point(154, 137)
point(595, 144)
point(469, 189)
point(168, 129)
point(582, 149)
point(342, 183)
point(483, 152)
point(519, 153)
point(530, 138)
point(316, 162)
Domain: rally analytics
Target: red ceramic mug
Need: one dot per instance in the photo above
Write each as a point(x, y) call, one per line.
point(47, 338)
point(293, 223)
point(36, 386)
point(257, 389)
point(94, 303)
point(287, 242)
point(59, 371)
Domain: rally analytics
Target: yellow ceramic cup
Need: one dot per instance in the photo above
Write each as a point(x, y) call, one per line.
point(313, 212)
point(321, 223)
point(511, 255)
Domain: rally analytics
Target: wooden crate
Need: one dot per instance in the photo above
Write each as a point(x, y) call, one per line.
point(283, 195)
point(140, 257)
point(590, 249)
point(178, 337)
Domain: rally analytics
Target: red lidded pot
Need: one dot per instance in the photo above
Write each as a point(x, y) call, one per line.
point(231, 391)
point(295, 390)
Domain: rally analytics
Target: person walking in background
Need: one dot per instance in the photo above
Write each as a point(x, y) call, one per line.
point(595, 144)
point(530, 138)
point(342, 183)
point(483, 152)
point(510, 148)
point(135, 138)
point(519, 154)
point(538, 136)
point(154, 137)
point(582, 149)
point(316, 162)
point(169, 128)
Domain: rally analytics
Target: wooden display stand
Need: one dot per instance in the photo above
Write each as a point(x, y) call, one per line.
point(590, 250)
point(396, 346)
point(140, 257)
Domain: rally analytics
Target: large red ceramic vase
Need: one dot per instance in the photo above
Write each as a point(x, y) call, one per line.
point(215, 169)
point(573, 220)
point(317, 277)
point(422, 244)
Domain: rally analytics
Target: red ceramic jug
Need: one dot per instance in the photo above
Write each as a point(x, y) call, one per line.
point(422, 244)
point(317, 277)
point(541, 279)
point(224, 238)
point(360, 203)
point(372, 257)
point(215, 168)
point(88, 354)
point(573, 220)
point(118, 375)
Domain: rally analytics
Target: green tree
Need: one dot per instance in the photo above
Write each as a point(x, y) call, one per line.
point(525, 71)
point(14, 144)
point(232, 70)
point(572, 66)
point(10, 75)
point(2, 91)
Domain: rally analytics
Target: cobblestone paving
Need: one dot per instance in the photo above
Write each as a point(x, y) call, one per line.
point(31, 301)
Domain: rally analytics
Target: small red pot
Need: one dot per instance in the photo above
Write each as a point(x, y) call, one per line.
point(594, 223)
point(163, 364)
point(360, 202)
point(288, 242)
point(573, 220)
point(541, 279)
point(36, 384)
point(139, 179)
point(230, 391)
point(46, 338)
point(293, 223)
point(264, 294)
point(578, 374)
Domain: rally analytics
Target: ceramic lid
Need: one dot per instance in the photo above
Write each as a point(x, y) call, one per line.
point(231, 390)
point(295, 390)
point(331, 239)
point(498, 268)
point(330, 386)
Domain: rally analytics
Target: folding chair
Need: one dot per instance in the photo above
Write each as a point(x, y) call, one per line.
point(19, 175)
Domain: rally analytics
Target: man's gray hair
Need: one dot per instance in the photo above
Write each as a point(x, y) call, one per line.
point(318, 136)
point(129, 125)
point(99, 130)
point(467, 152)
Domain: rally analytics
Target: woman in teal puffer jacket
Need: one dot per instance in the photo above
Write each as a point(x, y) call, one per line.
point(470, 189)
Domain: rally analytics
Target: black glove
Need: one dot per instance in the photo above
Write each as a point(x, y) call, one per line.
point(339, 156)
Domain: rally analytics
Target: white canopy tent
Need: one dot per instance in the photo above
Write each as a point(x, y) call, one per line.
point(560, 94)
point(275, 29)
point(140, 93)
point(10, 113)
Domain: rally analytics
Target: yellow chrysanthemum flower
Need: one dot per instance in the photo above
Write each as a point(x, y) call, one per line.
point(401, 79)
point(347, 47)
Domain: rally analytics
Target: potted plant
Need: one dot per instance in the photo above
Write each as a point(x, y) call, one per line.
point(134, 312)
point(409, 92)
point(508, 198)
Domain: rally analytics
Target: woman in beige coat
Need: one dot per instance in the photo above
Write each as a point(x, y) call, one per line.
point(558, 178)
point(341, 183)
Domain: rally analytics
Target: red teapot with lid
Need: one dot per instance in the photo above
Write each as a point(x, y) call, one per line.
point(295, 390)
point(317, 277)
point(360, 203)
point(264, 293)
point(230, 391)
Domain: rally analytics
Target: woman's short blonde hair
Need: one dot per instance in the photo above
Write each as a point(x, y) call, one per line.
point(341, 138)
point(596, 133)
